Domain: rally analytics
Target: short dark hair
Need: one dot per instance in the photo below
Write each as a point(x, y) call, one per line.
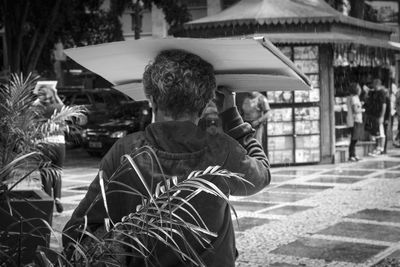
point(179, 82)
point(354, 89)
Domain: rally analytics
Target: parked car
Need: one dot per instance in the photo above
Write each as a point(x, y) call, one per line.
point(101, 104)
point(98, 136)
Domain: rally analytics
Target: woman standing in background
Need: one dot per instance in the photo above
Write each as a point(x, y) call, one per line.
point(50, 102)
point(255, 108)
point(354, 119)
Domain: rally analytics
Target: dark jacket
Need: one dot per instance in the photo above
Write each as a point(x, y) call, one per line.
point(388, 109)
point(182, 147)
point(374, 104)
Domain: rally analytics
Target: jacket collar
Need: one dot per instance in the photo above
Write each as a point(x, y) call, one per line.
point(176, 136)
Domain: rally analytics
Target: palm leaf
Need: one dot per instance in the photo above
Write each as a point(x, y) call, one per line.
point(22, 124)
point(158, 216)
point(17, 162)
point(157, 220)
point(60, 121)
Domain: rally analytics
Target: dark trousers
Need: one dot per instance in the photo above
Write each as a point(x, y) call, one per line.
point(398, 128)
point(352, 148)
point(353, 142)
point(385, 129)
point(52, 184)
point(52, 181)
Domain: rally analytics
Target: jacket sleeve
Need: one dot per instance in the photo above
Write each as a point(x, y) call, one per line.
point(92, 204)
point(248, 158)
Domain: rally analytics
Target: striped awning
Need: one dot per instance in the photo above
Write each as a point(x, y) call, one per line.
point(273, 12)
point(330, 38)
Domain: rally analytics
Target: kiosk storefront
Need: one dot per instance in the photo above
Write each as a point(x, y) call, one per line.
point(304, 127)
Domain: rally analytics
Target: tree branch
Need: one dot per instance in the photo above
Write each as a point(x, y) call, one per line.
point(14, 28)
point(49, 28)
point(32, 45)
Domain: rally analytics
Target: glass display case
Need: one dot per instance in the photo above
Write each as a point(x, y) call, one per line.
point(280, 136)
point(293, 127)
point(307, 121)
point(342, 131)
point(307, 149)
point(280, 149)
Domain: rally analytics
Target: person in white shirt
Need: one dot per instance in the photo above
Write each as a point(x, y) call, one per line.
point(354, 119)
point(255, 109)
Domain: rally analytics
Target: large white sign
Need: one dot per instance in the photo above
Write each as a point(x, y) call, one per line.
point(241, 64)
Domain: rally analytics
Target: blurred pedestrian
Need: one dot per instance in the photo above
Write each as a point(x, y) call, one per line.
point(209, 120)
point(375, 109)
point(255, 110)
point(354, 119)
point(387, 121)
point(53, 145)
point(397, 115)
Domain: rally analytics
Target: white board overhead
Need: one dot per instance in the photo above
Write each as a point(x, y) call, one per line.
point(241, 64)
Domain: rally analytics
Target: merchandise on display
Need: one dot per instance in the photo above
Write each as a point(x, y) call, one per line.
point(290, 127)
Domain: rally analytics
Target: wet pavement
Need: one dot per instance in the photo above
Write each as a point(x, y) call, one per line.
point(346, 214)
point(325, 215)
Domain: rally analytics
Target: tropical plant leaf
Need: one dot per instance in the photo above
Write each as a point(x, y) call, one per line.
point(166, 215)
point(22, 124)
point(135, 167)
point(6, 170)
point(103, 193)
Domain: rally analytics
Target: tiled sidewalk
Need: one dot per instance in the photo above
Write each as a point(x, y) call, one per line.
point(324, 215)
point(318, 215)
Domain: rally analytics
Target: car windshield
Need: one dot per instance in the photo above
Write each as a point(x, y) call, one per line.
point(81, 99)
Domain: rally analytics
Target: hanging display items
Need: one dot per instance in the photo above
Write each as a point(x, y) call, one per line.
point(354, 55)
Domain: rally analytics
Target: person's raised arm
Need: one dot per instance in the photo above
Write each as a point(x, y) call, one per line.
point(250, 159)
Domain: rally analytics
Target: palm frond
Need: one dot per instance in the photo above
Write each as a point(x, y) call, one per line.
point(23, 126)
point(16, 99)
point(165, 216)
point(17, 95)
point(18, 162)
point(158, 220)
point(61, 121)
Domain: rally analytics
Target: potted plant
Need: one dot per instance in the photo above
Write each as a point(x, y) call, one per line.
point(26, 214)
point(155, 221)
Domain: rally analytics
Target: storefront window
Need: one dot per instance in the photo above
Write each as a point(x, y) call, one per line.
point(294, 121)
point(280, 150)
point(307, 120)
point(287, 51)
point(355, 64)
point(306, 52)
point(280, 122)
point(280, 96)
point(306, 59)
point(308, 149)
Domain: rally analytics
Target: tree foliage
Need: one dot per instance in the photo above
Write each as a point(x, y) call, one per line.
point(358, 9)
point(32, 27)
point(175, 11)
